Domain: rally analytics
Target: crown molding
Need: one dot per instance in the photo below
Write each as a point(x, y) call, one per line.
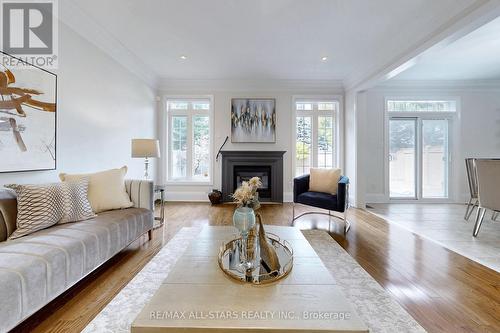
point(73, 16)
point(439, 85)
point(329, 86)
point(471, 18)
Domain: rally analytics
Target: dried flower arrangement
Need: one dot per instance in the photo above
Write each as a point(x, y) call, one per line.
point(246, 195)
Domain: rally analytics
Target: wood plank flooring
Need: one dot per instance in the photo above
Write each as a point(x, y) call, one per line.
point(442, 290)
point(445, 224)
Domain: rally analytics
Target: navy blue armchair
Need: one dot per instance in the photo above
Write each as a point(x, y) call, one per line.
point(333, 203)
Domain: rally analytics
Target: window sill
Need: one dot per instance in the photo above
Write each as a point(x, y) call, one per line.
point(188, 183)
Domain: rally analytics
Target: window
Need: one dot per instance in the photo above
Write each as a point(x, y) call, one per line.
point(315, 134)
point(189, 140)
point(421, 106)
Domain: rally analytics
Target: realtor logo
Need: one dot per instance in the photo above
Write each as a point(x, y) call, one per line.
point(29, 30)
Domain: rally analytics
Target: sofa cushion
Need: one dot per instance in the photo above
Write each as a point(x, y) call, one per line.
point(106, 189)
point(37, 268)
point(318, 199)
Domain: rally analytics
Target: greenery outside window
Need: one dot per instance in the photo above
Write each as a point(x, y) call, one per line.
point(189, 140)
point(315, 135)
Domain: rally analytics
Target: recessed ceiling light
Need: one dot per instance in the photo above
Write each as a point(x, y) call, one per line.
point(183, 57)
point(324, 58)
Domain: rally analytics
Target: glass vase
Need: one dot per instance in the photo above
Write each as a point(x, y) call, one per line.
point(244, 220)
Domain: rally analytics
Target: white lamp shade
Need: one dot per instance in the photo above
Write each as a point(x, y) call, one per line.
point(145, 148)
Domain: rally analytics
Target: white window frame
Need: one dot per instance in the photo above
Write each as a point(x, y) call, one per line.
point(338, 127)
point(453, 119)
point(166, 122)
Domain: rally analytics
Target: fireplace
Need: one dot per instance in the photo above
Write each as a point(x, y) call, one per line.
point(239, 166)
point(243, 173)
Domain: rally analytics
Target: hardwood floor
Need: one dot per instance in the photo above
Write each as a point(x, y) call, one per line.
point(442, 290)
point(445, 224)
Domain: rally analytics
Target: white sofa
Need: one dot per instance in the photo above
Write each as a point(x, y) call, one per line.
point(37, 268)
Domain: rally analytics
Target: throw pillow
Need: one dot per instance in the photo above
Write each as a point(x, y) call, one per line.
point(106, 189)
point(38, 207)
point(76, 205)
point(324, 180)
point(42, 206)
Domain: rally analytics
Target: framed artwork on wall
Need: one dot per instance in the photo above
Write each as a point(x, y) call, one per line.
point(28, 104)
point(253, 120)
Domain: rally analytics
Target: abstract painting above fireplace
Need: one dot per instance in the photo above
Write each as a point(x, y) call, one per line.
point(253, 120)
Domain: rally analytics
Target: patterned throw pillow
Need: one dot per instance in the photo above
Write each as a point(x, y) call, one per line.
point(38, 207)
point(76, 205)
point(42, 206)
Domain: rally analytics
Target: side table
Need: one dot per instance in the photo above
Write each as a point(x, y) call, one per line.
point(160, 189)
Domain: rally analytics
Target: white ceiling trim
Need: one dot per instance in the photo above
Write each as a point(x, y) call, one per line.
point(76, 18)
point(476, 15)
point(439, 85)
point(255, 85)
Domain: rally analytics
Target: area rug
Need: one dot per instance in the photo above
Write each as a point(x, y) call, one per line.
point(372, 303)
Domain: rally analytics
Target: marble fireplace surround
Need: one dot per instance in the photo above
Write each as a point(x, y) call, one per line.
point(235, 158)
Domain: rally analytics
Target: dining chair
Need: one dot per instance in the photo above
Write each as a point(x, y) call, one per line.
point(472, 180)
point(488, 181)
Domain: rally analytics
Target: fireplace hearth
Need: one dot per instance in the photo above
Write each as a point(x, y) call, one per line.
point(239, 166)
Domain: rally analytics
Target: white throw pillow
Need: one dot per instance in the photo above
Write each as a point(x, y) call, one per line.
point(324, 180)
point(106, 189)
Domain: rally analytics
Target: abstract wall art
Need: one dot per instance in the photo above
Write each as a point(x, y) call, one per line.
point(253, 120)
point(28, 96)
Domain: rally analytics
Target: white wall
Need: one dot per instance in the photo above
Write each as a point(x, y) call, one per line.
point(222, 127)
point(477, 133)
point(101, 106)
point(350, 142)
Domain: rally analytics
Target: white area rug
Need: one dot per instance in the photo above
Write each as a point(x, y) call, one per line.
point(445, 225)
point(373, 304)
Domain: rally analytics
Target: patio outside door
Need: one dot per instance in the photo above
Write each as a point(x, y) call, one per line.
point(418, 158)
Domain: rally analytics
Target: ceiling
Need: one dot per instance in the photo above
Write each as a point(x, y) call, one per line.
point(263, 39)
point(473, 57)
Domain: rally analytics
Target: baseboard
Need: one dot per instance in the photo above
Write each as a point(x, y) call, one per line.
point(375, 198)
point(186, 196)
point(203, 197)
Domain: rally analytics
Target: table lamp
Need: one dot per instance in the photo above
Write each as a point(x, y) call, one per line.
point(145, 148)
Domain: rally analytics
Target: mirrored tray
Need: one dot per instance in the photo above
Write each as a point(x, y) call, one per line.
point(229, 262)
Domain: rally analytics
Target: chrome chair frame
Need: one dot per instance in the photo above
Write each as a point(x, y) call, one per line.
point(343, 218)
point(472, 180)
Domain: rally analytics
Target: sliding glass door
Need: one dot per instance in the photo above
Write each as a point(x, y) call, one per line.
point(435, 158)
point(402, 158)
point(418, 158)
